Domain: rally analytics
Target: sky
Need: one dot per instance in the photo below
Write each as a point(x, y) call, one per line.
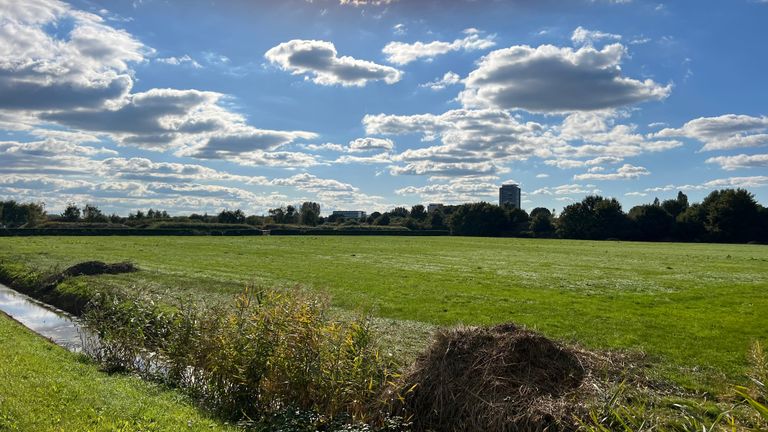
point(200, 105)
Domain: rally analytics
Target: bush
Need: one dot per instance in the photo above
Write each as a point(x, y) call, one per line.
point(271, 351)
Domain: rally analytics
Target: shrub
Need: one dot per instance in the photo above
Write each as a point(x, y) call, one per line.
point(272, 350)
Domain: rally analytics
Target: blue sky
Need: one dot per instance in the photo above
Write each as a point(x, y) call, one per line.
point(204, 105)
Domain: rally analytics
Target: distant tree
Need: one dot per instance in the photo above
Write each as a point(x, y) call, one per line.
point(91, 213)
point(418, 212)
point(541, 224)
point(594, 217)
point(277, 215)
point(115, 218)
point(401, 212)
point(689, 224)
point(517, 220)
point(676, 206)
point(71, 213)
point(382, 220)
point(310, 213)
point(731, 215)
point(372, 217)
point(650, 222)
point(291, 215)
point(478, 219)
point(436, 220)
point(231, 217)
point(541, 210)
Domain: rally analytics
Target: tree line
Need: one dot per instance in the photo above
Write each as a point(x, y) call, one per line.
point(728, 215)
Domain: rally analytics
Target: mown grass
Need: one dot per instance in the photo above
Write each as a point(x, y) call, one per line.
point(694, 308)
point(46, 388)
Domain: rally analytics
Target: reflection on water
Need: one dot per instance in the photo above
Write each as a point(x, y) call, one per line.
point(42, 319)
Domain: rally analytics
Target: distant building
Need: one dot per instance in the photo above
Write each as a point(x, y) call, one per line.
point(433, 206)
point(349, 214)
point(509, 195)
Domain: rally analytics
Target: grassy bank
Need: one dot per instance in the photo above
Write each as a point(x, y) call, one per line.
point(46, 388)
point(694, 308)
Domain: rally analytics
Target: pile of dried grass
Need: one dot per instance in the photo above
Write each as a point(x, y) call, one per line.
point(503, 378)
point(87, 268)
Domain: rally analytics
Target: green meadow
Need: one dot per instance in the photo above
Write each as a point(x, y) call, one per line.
point(45, 388)
point(693, 309)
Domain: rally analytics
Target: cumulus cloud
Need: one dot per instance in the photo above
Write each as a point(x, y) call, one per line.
point(571, 163)
point(582, 36)
point(401, 53)
point(550, 79)
point(732, 163)
point(369, 143)
point(456, 190)
point(625, 172)
point(190, 121)
point(725, 132)
point(320, 61)
point(473, 142)
point(41, 70)
point(449, 79)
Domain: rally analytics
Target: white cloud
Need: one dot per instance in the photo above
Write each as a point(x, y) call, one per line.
point(449, 79)
point(369, 143)
point(457, 190)
point(571, 163)
point(729, 182)
point(85, 67)
point(542, 175)
point(401, 53)
point(625, 172)
point(399, 29)
point(181, 61)
point(725, 132)
point(582, 36)
point(732, 163)
point(549, 79)
point(473, 142)
point(568, 189)
point(320, 60)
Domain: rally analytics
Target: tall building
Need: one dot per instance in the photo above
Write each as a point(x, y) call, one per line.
point(509, 194)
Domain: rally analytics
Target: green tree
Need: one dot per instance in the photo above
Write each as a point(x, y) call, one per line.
point(91, 213)
point(231, 217)
point(676, 206)
point(541, 224)
point(382, 220)
point(436, 220)
point(478, 219)
point(731, 215)
point(651, 222)
point(277, 215)
point(309, 213)
point(71, 213)
point(418, 212)
point(594, 217)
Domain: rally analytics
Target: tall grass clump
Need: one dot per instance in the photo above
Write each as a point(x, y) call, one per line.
point(269, 352)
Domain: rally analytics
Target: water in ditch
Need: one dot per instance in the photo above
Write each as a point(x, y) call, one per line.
point(56, 325)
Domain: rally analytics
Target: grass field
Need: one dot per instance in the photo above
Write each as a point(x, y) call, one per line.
point(45, 388)
point(694, 308)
